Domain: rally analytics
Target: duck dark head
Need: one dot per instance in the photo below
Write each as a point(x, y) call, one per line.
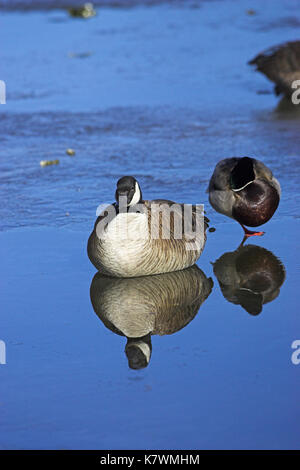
point(128, 187)
point(242, 174)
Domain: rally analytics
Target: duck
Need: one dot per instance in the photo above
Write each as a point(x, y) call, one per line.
point(250, 276)
point(135, 237)
point(138, 308)
point(84, 11)
point(244, 189)
point(281, 65)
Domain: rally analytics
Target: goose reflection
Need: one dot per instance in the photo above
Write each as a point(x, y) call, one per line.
point(153, 305)
point(286, 108)
point(250, 276)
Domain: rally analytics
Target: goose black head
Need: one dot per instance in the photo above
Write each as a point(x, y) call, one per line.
point(128, 187)
point(242, 174)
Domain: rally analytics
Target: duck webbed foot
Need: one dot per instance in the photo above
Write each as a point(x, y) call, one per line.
point(251, 233)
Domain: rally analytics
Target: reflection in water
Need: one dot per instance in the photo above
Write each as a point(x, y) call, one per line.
point(250, 276)
point(153, 305)
point(286, 108)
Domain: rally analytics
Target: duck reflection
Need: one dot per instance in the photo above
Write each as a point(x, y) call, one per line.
point(152, 305)
point(250, 276)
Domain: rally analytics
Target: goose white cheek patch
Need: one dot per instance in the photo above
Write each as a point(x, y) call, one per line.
point(136, 197)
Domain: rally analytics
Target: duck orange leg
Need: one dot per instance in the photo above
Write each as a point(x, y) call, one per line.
point(251, 233)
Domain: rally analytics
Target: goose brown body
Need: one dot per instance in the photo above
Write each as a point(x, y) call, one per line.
point(128, 248)
point(160, 304)
point(281, 65)
point(151, 305)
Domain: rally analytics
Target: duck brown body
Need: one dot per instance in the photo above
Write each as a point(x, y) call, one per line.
point(244, 189)
point(255, 204)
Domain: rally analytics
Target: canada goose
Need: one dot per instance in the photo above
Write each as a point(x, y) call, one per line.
point(154, 305)
point(281, 64)
point(134, 237)
point(244, 189)
point(250, 276)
